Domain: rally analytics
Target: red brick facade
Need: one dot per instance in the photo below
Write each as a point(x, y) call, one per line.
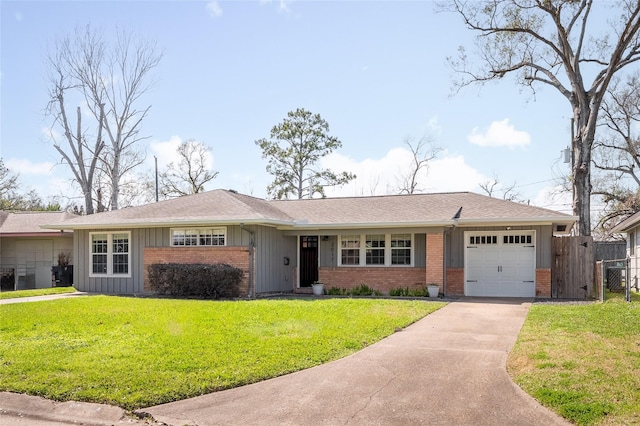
point(435, 260)
point(235, 256)
point(455, 282)
point(543, 282)
point(379, 278)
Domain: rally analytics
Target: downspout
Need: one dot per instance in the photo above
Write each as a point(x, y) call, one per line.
point(252, 290)
point(446, 233)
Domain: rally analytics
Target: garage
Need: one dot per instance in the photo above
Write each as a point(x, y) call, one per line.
point(500, 264)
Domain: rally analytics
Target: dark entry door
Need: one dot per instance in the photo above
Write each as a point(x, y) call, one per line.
point(308, 260)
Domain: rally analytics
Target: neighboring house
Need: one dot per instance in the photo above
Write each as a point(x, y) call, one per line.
point(28, 252)
point(631, 227)
point(468, 244)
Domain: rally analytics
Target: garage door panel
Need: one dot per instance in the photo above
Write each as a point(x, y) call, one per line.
point(505, 268)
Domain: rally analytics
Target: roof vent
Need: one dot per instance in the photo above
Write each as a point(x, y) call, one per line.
point(458, 214)
point(233, 191)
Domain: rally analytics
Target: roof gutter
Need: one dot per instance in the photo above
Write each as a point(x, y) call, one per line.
point(171, 224)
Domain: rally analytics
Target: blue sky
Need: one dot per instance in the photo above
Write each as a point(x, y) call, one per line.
point(376, 71)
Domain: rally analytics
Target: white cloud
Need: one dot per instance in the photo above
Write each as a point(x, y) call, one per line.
point(214, 9)
point(283, 5)
point(434, 126)
point(165, 151)
point(24, 166)
point(554, 198)
point(382, 176)
point(500, 133)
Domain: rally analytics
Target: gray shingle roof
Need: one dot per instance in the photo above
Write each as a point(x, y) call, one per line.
point(20, 223)
point(222, 206)
point(628, 223)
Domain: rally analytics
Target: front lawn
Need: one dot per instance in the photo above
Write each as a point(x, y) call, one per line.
point(582, 361)
point(140, 352)
point(36, 292)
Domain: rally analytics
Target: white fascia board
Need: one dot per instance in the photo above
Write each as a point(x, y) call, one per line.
point(519, 221)
point(169, 224)
point(372, 225)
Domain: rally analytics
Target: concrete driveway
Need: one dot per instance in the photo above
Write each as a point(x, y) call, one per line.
point(446, 369)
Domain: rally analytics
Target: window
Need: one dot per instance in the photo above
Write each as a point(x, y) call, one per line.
point(632, 243)
point(377, 250)
point(199, 237)
point(516, 239)
point(484, 239)
point(401, 249)
point(110, 254)
point(350, 249)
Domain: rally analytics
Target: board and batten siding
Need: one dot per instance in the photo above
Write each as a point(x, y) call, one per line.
point(271, 249)
point(109, 285)
point(271, 275)
point(455, 244)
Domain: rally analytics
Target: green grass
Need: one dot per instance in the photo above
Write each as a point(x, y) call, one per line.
point(140, 352)
point(582, 361)
point(36, 292)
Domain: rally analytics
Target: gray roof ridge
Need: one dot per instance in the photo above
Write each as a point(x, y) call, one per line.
point(360, 197)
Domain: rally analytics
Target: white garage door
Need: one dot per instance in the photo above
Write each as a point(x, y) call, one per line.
point(500, 264)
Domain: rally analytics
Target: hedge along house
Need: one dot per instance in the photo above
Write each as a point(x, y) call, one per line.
point(28, 252)
point(468, 244)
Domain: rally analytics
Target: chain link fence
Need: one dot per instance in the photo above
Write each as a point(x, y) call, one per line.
point(615, 278)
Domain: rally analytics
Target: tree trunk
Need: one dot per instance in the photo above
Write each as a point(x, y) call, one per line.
point(581, 166)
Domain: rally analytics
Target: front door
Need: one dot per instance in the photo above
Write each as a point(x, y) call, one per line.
point(308, 260)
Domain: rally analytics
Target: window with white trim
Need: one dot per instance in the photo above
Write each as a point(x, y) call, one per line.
point(199, 237)
point(350, 249)
point(377, 250)
point(401, 249)
point(110, 255)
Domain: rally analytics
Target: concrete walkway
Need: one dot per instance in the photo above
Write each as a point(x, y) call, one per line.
point(41, 298)
point(446, 369)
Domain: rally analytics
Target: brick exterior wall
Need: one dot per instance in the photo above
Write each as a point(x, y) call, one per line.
point(435, 259)
point(234, 256)
point(380, 278)
point(543, 282)
point(455, 282)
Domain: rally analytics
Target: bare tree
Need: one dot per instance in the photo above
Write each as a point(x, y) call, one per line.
point(617, 153)
point(111, 79)
point(422, 151)
point(553, 43)
point(491, 187)
point(76, 151)
point(190, 174)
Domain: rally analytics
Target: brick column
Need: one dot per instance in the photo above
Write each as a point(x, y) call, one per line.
point(435, 259)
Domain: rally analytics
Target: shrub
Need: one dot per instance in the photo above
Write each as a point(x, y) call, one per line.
point(362, 290)
point(409, 292)
point(195, 280)
point(337, 291)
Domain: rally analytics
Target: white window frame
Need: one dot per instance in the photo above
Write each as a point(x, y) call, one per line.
point(201, 232)
point(387, 250)
point(110, 253)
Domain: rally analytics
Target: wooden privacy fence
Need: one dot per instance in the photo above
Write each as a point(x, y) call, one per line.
point(572, 267)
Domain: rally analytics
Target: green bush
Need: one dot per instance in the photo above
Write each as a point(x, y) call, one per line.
point(362, 290)
point(409, 292)
point(337, 291)
point(195, 280)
